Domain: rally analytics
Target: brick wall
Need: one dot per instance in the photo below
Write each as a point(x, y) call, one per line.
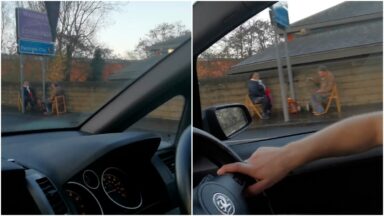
point(214, 68)
point(359, 80)
point(33, 68)
point(80, 96)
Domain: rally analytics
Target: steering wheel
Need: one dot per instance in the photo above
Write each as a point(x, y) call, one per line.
point(183, 169)
point(218, 194)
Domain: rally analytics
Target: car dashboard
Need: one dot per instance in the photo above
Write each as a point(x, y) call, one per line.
point(74, 173)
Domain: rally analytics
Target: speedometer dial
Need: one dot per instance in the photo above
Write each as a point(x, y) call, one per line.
point(90, 179)
point(82, 199)
point(120, 188)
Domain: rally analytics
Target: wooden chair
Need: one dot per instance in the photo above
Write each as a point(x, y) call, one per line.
point(20, 102)
point(256, 108)
point(333, 97)
point(58, 105)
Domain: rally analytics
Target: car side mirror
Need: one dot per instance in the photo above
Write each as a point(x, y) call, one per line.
point(225, 121)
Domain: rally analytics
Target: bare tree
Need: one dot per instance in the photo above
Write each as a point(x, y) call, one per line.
point(246, 40)
point(4, 22)
point(33, 5)
point(8, 41)
point(263, 33)
point(132, 55)
point(78, 24)
point(160, 33)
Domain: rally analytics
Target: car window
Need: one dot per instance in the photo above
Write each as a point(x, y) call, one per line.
point(99, 50)
point(344, 39)
point(164, 120)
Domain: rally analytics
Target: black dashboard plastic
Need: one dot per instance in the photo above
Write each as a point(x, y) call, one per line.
point(62, 157)
point(13, 185)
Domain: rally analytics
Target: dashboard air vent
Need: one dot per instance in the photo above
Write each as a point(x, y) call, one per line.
point(169, 159)
point(52, 195)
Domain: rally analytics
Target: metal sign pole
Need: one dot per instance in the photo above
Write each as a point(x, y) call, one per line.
point(43, 65)
point(290, 76)
point(21, 84)
point(280, 71)
point(35, 33)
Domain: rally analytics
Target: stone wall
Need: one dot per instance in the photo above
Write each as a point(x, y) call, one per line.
point(80, 96)
point(170, 110)
point(359, 80)
point(87, 97)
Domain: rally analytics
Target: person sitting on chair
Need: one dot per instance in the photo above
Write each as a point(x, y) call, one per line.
point(29, 95)
point(257, 93)
point(320, 96)
point(56, 90)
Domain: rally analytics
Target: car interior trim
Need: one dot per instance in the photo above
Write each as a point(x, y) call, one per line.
point(37, 193)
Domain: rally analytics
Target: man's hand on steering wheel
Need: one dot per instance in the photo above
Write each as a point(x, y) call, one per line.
point(266, 165)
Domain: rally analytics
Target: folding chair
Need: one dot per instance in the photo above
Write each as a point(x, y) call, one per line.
point(58, 105)
point(20, 102)
point(256, 108)
point(334, 96)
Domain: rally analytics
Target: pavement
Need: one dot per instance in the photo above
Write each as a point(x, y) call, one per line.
point(307, 118)
point(13, 120)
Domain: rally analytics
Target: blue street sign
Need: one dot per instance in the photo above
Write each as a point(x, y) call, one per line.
point(280, 15)
point(36, 48)
point(32, 25)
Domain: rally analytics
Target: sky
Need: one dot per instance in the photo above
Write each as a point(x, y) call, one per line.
point(300, 9)
point(134, 20)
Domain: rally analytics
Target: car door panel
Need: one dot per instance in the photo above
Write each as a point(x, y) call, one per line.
point(336, 187)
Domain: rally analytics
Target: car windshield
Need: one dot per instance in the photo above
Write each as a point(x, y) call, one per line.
point(334, 69)
point(58, 79)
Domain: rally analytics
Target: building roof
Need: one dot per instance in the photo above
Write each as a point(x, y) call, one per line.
point(171, 43)
point(134, 70)
point(328, 42)
point(342, 11)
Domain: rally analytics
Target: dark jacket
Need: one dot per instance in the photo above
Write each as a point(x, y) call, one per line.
point(255, 89)
point(29, 95)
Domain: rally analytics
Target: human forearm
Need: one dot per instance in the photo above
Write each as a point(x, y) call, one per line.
point(268, 165)
point(352, 135)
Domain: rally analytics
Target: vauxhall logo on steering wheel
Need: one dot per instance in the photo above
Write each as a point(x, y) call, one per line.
point(223, 204)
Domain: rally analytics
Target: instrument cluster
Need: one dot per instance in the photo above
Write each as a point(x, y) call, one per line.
point(95, 191)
